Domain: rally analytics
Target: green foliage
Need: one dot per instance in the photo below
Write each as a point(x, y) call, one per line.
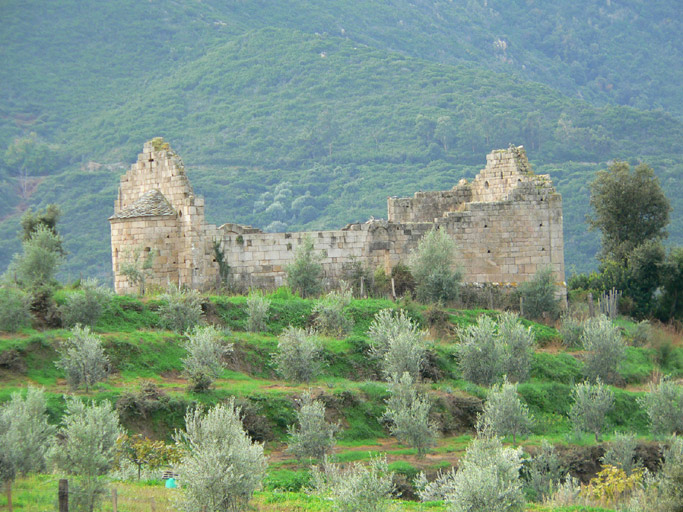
point(665, 494)
point(605, 349)
point(299, 354)
point(257, 309)
point(137, 267)
point(48, 217)
point(539, 294)
point(621, 453)
point(314, 437)
point(204, 361)
point(629, 208)
point(592, 402)
point(397, 342)
point(14, 309)
point(545, 471)
point(42, 254)
point(330, 315)
point(144, 452)
point(408, 414)
point(83, 359)
point(305, 272)
point(504, 413)
point(357, 488)
point(221, 466)
point(86, 448)
point(432, 265)
point(664, 406)
point(571, 331)
point(180, 310)
point(86, 307)
point(518, 342)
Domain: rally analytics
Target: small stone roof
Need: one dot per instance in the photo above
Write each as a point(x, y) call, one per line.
point(150, 204)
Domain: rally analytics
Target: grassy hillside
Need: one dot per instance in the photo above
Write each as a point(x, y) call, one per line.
point(408, 97)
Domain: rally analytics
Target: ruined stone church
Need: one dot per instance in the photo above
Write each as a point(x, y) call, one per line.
point(507, 224)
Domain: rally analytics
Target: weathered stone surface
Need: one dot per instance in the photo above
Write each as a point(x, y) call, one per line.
point(507, 223)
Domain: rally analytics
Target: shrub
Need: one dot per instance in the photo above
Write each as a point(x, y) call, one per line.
point(437, 489)
point(85, 308)
point(504, 413)
point(621, 453)
point(612, 486)
point(257, 309)
point(25, 434)
point(591, 404)
point(357, 488)
point(481, 356)
point(545, 471)
point(408, 414)
point(42, 254)
point(487, 479)
point(221, 466)
point(314, 438)
point(605, 349)
point(432, 264)
point(664, 406)
point(181, 310)
point(305, 272)
point(404, 282)
point(330, 317)
point(299, 355)
point(138, 268)
point(14, 309)
point(82, 358)
point(571, 331)
point(518, 343)
point(204, 361)
point(144, 452)
point(398, 343)
point(665, 494)
point(642, 334)
point(539, 295)
point(86, 448)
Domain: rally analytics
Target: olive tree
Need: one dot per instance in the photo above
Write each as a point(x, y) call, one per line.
point(204, 360)
point(330, 317)
point(664, 406)
point(539, 294)
point(518, 343)
point(14, 309)
point(221, 466)
point(314, 437)
point(545, 471)
point(504, 413)
point(299, 354)
point(605, 349)
point(180, 310)
point(408, 414)
point(305, 272)
point(433, 265)
point(257, 311)
point(481, 354)
point(85, 307)
point(592, 402)
point(25, 434)
point(621, 452)
point(86, 448)
point(82, 358)
point(398, 343)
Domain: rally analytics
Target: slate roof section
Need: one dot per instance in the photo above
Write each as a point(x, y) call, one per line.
point(150, 204)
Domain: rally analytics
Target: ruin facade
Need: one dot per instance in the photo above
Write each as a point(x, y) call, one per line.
point(506, 222)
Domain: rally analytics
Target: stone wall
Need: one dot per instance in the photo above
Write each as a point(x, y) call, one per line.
point(507, 224)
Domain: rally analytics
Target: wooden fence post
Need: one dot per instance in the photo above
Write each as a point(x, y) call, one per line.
point(393, 288)
point(521, 306)
point(114, 500)
point(63, 495)
point(591, 306)
point(362, 283)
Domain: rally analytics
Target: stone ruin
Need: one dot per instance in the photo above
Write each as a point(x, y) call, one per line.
point(507, 224)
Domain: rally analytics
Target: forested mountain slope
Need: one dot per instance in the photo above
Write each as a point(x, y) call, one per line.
point(295, 115)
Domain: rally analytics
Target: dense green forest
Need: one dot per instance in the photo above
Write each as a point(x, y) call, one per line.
point(295, 115)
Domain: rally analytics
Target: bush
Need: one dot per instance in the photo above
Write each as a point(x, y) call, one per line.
point(545, 471)
point(85, 308)
point(605, 349)
point(14, 309)
point(25, 434)
point(314, 438)
point(539, 295)
point(642, 334)
point(432, 264)
point(481, 355)
point(357, 488)
point(487, 479)
point(518, 343)
point(592, 402)
point(408, 414)
point(257, 309)
point(299, 356)
point(571, 331)
point(305, 272)
point(621, 453)
point(204, 361)
point(404, 282)
point(664, 406)
point(42, 254)
point(221, 466)
point(437, 489)
point(86, 448)
point(665, 494)
point(82, 358)
point(504, 413)
point(330, 317)
point(398, 343)
point(180, 310)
